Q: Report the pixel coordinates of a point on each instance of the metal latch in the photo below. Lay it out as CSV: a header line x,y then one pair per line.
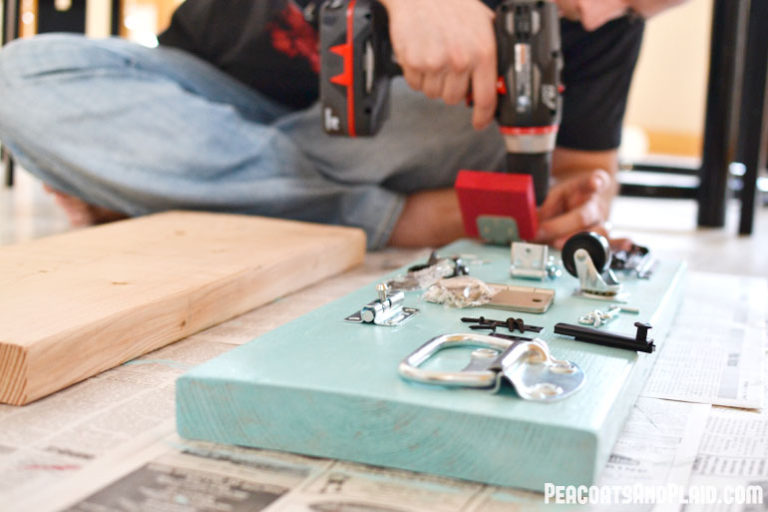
x,y
527,365
637,259
387,310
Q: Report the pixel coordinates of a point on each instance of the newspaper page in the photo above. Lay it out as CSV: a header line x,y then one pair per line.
x,y
656,448
349,487
189,476
715,352
55,437
198,476
733,458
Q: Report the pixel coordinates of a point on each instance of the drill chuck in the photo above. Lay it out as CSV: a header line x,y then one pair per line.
x,y
535,164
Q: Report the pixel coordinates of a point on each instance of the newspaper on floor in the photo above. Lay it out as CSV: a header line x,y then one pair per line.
x,y
656,448
732,462
179,475
187,476
349,487
131,405
715,351
199,476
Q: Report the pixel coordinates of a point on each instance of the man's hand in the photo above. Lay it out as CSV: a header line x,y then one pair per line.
x,y
582,198
444,46
579,203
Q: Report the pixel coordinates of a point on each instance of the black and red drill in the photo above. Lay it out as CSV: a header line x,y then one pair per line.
x,y
357,65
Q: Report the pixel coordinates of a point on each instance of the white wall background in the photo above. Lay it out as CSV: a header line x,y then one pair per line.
x,y
669,88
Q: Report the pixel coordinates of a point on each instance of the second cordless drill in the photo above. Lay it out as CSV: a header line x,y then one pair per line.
x,y
357,64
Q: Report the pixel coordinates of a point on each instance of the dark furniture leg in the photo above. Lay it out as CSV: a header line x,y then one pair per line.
x,y
7,33
753,112
724,69
117,16
7,163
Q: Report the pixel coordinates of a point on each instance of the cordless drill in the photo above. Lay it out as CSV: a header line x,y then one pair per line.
x,y
357,64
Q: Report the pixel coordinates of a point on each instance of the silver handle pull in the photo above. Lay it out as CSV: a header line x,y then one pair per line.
x,y
527,365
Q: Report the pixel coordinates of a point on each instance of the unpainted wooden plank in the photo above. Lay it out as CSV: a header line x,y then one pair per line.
x,y
75,304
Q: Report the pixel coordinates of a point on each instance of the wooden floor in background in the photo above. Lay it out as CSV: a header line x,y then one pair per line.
x,y
668,227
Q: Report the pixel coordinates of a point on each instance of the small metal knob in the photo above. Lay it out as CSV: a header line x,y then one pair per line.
x,y
642,331
383,290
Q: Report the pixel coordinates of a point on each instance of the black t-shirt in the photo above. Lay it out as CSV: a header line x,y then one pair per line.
x,y
268,45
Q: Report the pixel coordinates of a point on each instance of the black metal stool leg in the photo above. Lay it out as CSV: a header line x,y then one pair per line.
x,y
725,65
8,32
8,166
752,122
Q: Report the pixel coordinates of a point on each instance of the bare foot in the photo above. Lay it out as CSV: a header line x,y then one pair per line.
x,y
430,219
81,213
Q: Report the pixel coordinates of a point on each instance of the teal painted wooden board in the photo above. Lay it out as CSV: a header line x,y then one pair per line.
x,y
324,387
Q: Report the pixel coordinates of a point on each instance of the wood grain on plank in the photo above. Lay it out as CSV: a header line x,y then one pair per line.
x,y
76,304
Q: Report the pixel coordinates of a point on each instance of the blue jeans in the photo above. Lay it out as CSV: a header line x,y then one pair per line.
x,y
140,130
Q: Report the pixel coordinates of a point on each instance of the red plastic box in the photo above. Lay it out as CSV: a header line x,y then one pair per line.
x,y
497,194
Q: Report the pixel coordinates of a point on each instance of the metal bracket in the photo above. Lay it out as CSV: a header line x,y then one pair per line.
x,y
532,261
527,365
521,298
593,284
387,310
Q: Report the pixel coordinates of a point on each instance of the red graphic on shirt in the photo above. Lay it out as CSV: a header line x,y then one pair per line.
x,y
293,36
